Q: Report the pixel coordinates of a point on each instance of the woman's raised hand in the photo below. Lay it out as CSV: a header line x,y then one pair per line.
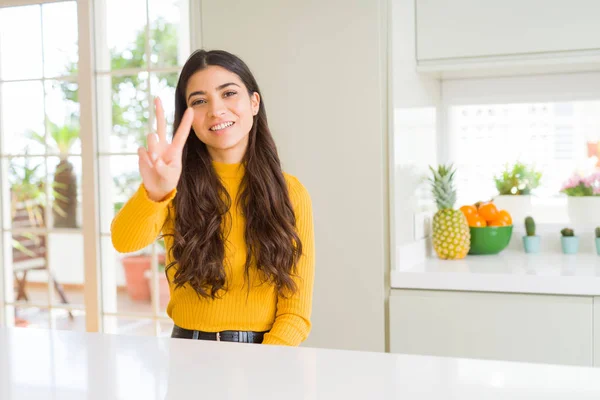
x,y
160,164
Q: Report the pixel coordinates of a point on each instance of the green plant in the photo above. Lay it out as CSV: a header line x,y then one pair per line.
x,y
130,115
521,179
567,232
598,232
530,226
27,193
61,141
125,186
27,189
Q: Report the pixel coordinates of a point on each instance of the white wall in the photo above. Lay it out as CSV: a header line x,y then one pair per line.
x,y
416,104
320,65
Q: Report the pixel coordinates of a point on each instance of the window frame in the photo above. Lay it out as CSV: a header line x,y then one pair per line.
x,y
88,30
567,87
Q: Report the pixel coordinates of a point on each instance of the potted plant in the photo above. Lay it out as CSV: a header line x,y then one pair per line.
x,y
583,196
62,139
163,283
531,241
568,241
514,186
137,275
598,240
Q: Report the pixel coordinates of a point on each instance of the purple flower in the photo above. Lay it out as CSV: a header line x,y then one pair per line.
x,y
578,185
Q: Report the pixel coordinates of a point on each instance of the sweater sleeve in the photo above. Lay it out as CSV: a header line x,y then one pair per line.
x,y
139,222
292,321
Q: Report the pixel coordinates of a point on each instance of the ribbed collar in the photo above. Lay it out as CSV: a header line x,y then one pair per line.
x,y
229,171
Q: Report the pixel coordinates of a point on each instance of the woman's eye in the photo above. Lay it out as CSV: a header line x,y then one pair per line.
x,y
199,101
229,94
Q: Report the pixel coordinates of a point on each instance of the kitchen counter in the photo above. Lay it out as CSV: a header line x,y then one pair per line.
x,y
42,364
511,271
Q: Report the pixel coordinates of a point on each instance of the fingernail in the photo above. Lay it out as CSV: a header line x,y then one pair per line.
x,y
156,137
153,156
159,163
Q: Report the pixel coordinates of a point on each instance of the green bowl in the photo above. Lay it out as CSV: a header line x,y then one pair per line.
x,y
490,239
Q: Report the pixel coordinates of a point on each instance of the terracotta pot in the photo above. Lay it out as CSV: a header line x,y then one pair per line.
x,y
163,290
137,285
593,149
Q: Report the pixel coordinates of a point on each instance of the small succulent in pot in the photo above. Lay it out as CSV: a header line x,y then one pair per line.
x,y
569,242
567,232
531,242
598,232
530,226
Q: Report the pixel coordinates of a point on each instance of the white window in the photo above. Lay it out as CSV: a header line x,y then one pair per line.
x,y
50,153
549,122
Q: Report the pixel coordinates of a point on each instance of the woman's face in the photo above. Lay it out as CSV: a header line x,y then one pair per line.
x,y
223,112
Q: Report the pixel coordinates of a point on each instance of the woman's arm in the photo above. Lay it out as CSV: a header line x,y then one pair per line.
x,y
140,221
292,321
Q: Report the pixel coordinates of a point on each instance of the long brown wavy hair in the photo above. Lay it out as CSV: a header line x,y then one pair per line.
x,y
202,203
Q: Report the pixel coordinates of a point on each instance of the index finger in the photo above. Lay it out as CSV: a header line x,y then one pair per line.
x,y
183,131
161,124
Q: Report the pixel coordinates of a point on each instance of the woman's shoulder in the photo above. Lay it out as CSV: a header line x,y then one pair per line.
x,y
298,192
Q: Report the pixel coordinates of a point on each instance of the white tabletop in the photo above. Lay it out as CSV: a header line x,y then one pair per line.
x,y
41,364
510,271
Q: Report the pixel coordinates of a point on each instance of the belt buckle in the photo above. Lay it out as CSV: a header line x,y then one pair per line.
x,y
218,336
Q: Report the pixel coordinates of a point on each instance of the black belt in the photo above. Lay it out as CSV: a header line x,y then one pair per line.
x,y
224,336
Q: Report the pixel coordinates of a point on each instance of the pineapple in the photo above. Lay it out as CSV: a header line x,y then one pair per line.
x,y
451,234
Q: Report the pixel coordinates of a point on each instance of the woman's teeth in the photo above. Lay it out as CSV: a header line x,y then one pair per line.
x,y
221,126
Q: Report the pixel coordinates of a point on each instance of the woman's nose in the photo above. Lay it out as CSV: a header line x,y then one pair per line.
x,y
217,108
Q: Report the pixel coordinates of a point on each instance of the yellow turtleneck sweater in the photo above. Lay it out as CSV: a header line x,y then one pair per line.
x,y
288,319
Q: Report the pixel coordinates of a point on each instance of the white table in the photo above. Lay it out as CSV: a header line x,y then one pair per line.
x,y
41,364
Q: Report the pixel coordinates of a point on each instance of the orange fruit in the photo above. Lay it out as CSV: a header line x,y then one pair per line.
x,y
468,210
488,211
476,221
504,216
498,222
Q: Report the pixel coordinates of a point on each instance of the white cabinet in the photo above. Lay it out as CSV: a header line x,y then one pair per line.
x,y
514,327
481,28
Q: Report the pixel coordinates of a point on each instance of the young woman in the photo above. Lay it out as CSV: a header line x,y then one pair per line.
x,y
238,231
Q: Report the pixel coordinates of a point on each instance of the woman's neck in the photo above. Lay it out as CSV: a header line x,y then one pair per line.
x,y
232,155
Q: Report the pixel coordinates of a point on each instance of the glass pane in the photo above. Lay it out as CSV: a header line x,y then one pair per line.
x,y
21,43
163,86
22,118
166,327
30,275
65,255
31,317
64,176
556,138
125,281
66,320
161,291
62,110
125,25
119,180
130,112
169,37
27,193
129,326
60,38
